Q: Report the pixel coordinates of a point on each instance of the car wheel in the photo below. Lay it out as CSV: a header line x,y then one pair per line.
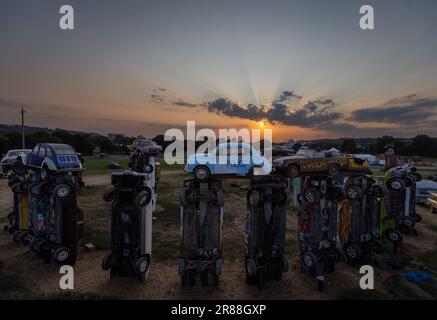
x,y
395,184
250,267
393,235
432,209
62,191
254,198
107,261
333,170
141,265
62,255
353,192
143,198
201,173
409,222
45,173
109,194
293,171
309,260
311,195
35,189
352,251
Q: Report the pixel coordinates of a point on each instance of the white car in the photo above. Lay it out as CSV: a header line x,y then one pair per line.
x,y
12,157
239,159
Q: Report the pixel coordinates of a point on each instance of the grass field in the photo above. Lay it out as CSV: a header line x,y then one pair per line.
x,y
91,282
93,165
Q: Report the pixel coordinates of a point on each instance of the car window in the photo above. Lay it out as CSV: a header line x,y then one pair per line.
x,y
35,150
49,152
42,152
64,150
245,152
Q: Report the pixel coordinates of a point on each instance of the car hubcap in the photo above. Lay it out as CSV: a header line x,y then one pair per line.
x,y
308,261
62,255
351,252
352,193
201,174
143,266
396,185
63,191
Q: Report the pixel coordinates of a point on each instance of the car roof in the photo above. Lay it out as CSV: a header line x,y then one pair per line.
x,y
58,145
18,150
235,144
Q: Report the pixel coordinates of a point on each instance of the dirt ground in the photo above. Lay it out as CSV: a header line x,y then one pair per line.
x,y
25,276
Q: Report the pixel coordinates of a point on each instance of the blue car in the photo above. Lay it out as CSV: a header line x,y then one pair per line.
x,y
53,157
240,159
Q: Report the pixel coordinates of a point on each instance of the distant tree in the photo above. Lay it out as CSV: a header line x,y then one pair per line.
x,y
349,145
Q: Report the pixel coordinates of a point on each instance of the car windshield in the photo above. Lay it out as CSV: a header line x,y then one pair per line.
x,y
64,150
144,143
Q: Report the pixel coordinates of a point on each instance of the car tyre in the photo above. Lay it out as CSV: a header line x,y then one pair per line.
x,y
311,195
293,171
353,251
353,192
107,261
393,235
62,255
309,260
333,170
143,198
201,173
109,194
395,184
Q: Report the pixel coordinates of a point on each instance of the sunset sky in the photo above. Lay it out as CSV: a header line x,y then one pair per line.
x,y
304,68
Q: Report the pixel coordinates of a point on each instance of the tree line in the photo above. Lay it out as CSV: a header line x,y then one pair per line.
x,y
421,145
83,143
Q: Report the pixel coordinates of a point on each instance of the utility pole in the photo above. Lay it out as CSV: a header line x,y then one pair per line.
x,y
23,142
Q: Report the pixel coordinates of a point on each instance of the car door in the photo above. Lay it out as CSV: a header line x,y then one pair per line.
x,y
42,152
245,162
224,164
33,155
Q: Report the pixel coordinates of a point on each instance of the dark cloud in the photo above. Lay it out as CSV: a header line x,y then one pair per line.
x,y
183,103
312,114
287,95
406,110
157,96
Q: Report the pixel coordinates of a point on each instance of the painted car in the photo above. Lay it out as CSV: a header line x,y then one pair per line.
x,y
423,189
53,157
12,157
229,159
311,161
431,202
142,144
